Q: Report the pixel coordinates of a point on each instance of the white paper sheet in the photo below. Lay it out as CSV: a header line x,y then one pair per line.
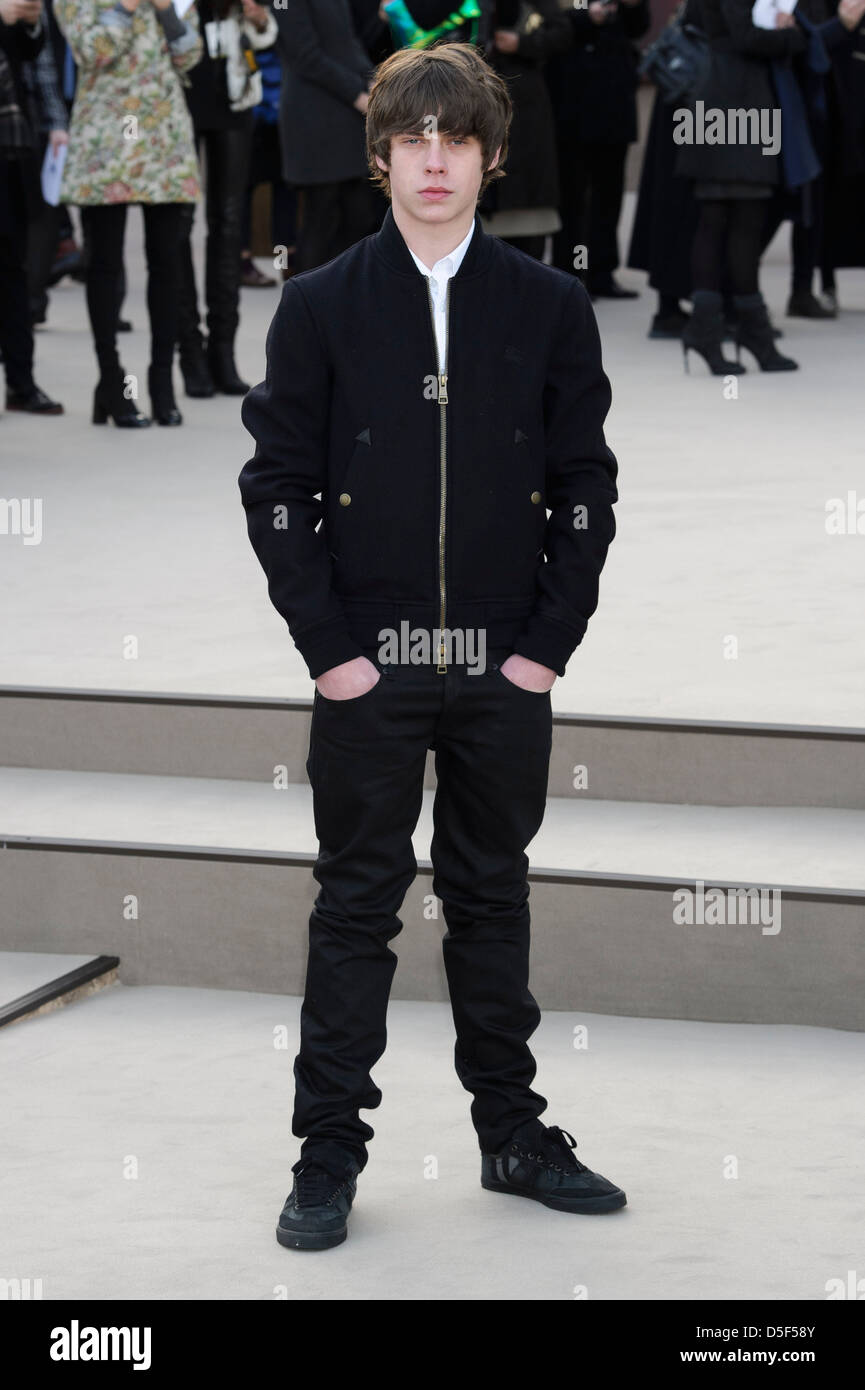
x,y
764,12
52,173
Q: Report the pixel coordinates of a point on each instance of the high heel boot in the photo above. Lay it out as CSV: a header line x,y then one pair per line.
x,y
197,379
109,400
754,331
220,359
704,332
161,389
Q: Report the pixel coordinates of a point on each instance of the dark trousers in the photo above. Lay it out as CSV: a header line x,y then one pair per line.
x,y
806,238
332,217
42,238
16,332
104,228
227,172
265,166
592,179
492,743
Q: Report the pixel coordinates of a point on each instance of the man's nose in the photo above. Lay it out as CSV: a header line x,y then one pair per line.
x,y
435,156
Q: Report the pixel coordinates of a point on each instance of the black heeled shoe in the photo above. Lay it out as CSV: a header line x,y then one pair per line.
x,y
109,400
220,360
197,380
704,332
161,390
754,332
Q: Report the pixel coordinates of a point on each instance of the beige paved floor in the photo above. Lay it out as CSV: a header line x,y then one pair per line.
x,y
151,1147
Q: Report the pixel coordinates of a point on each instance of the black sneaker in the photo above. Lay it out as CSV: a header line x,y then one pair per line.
x,y
539,1162
316,1210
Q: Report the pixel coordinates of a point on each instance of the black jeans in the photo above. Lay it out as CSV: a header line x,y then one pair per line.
x,y
104,229
492,742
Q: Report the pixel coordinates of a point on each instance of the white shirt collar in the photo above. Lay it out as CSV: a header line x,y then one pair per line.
x,y
448,265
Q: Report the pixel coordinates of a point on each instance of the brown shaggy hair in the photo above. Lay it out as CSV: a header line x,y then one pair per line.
x,y
450,81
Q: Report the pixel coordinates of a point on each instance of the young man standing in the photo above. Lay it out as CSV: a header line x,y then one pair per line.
x,y
431,393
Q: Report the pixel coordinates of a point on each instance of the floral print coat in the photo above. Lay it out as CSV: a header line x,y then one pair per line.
x,y
130,133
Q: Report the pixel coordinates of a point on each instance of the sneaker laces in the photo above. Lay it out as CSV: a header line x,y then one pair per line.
x,y
316,1186
558,1143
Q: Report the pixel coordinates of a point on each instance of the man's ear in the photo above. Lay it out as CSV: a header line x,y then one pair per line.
x,y
385,168
495,159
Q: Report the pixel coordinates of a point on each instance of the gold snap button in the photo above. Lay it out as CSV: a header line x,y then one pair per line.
x,y
536,497
344,499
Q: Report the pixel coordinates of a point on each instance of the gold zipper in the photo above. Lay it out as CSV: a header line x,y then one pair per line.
x,y
441,669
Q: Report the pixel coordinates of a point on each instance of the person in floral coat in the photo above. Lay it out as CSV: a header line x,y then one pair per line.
x,y
131,141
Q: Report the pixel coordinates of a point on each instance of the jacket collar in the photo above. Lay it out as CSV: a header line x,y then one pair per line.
x,y
390,245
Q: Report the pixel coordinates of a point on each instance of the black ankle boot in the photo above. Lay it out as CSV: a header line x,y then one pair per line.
x,y
220,359
197,380
754,331
802,304
704,332
161,389
109,400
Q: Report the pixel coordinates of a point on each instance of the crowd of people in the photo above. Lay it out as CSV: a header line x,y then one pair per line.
x,y
166,103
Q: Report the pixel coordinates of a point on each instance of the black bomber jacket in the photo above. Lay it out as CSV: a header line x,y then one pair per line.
x,y
432,491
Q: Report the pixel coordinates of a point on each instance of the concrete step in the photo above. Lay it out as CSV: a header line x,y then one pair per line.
x,y
611,758
208,881
33,984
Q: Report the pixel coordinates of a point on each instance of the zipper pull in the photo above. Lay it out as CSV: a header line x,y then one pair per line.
x,y
443,388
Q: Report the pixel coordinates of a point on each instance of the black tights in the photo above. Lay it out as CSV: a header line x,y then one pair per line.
x,y
731,226
104,228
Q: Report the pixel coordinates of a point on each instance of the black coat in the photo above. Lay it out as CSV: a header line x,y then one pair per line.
x,y
666,215
739,76
20,194
595,83
532,170
20,46
347,428
844,228
324,69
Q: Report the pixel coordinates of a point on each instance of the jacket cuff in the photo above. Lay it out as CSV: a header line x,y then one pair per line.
x,y
173,26
322,648
547,642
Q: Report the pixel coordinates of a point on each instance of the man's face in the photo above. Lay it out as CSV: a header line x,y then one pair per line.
x,y
435,178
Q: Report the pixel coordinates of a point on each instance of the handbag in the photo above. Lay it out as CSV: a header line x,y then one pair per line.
x,y
16,132
227,39
678,61
407,34
243,79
